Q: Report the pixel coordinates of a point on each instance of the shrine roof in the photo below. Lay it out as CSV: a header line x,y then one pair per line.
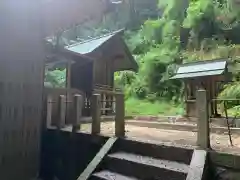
x,y
201,68
91,45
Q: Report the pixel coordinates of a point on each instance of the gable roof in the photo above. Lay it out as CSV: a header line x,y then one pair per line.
x,y
84,51
201,68
91,45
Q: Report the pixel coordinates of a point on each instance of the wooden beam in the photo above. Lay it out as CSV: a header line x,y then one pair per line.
x,y
77,105
96,113
120,115
61,112
49,112
197,165
97,159
68,75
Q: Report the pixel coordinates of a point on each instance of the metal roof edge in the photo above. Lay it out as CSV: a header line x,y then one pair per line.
x,y
202,71
175,76
205,61
98,37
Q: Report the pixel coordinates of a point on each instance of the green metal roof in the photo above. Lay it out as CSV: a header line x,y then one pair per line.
x,y
89,46
85,51
201,68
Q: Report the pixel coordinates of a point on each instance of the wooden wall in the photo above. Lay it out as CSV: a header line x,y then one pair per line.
x,y
210,84
82,77
21,84
103,72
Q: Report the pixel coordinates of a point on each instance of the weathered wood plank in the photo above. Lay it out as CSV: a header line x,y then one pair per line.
x,y
97,159
61,111
77,105
21,81
96,113
197,165
120,116
49,112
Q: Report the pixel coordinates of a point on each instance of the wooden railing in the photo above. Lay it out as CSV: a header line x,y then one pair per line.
x,y
107,99
97,106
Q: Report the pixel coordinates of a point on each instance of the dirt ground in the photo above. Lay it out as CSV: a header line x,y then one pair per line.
x,y
170,137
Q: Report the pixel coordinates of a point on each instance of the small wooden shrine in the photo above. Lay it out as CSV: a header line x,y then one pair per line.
x,y
91,65
209,75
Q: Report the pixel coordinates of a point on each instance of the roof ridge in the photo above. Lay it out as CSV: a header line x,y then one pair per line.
x,y
95,38
205,61
201,71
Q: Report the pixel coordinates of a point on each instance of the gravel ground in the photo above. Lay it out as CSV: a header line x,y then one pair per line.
x,y
170,137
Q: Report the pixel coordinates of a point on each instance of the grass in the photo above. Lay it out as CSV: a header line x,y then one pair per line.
x,y
144,107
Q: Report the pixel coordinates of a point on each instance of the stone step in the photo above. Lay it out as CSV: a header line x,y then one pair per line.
x,y
149,161
108,175
177,154
143,167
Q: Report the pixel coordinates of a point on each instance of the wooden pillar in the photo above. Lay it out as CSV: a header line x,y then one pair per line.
x,y
49,112
68,75
77,105
120,116
104,103
61,111
71,166
186,97
96,113
203,139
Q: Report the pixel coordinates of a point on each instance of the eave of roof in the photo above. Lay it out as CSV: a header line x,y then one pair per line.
x,y
198,74
91,45
200,69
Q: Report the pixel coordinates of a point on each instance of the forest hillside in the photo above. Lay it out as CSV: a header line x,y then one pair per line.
x,y
162,35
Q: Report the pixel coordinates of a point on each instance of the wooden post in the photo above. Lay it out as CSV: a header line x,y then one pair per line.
x,y
203,139
68,75
104,103
77,105
120,116
61,111
96,113
49,112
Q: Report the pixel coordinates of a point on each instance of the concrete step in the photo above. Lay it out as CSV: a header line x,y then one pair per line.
x,y
149,161
141,167
108,175
177,154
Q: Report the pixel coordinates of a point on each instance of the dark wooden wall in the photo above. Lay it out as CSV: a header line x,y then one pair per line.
x,y
82,77
66,157
210,84
21,84
103,72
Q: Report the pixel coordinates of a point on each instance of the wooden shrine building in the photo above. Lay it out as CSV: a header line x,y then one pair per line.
x,y
209,75
91,65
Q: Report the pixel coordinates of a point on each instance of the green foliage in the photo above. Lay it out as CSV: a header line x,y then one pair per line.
x,y
231,91
197,12
56,78
145,107
154,36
